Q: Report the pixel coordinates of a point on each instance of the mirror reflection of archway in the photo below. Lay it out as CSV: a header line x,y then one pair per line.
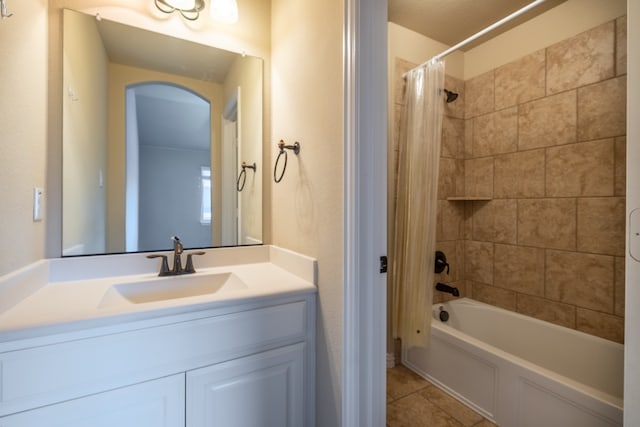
x,y
168,167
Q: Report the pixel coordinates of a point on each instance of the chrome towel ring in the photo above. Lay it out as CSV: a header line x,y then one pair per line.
x,y
296,150
243,175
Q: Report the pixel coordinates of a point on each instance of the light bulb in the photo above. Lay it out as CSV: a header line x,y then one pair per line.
x,y
182,4
225,10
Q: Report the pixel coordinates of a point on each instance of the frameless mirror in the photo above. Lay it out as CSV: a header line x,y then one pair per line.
x,y
155,130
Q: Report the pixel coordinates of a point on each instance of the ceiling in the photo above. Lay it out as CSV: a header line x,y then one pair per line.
x,y
146,49
451,21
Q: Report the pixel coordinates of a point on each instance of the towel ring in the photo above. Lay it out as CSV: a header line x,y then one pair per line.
x,y
243,175
296,150
3,10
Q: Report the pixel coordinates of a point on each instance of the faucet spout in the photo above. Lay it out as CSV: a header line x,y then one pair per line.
x,y
178,248
448,289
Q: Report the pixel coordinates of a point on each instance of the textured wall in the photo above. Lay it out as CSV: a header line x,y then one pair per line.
x,y
306,206
23,138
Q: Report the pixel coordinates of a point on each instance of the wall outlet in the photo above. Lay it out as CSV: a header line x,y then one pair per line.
x,y
37,204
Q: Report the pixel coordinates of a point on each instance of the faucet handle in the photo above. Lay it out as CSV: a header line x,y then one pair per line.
x,y
164,268
189,267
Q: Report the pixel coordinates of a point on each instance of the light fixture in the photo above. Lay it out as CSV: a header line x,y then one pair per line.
x,y
225,10
189,9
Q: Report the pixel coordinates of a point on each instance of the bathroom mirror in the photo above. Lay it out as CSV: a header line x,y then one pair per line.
x,y
155,130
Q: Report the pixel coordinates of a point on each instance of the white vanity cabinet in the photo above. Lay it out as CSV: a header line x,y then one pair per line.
x,y
266,389
252,364
150,404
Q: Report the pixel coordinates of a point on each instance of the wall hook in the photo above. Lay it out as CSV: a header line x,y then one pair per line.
x,y
282,146
243,175
3,10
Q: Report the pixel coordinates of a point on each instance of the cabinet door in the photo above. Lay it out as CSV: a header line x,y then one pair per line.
x,y
157,403
266,389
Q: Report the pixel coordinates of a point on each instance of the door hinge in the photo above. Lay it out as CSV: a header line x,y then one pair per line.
x,y
383,264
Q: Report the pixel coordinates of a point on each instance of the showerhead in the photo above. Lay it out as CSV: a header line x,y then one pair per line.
x,y
451,96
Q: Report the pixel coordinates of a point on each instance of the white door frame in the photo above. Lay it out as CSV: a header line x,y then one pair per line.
x,y
365,209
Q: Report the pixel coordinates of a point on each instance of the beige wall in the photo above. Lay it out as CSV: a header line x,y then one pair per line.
x,y
543,140
23,147
121,76
85,65
307,208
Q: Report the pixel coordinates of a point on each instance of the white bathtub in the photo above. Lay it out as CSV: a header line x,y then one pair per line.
x,y
520,371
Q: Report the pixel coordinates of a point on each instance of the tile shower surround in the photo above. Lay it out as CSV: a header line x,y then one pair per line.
x,y
544,138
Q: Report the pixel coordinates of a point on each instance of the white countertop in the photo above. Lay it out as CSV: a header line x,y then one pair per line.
x,y
60,295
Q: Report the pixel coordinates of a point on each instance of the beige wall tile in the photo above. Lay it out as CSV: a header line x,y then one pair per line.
x,y
478,261
584,280
602,109
582,59
547,121
519,174
601,223
584,169
478,177
468,138
452,137
547,223
495,221
621,45
600,324
520,81
451,178
620,175
495,133
452,220
468,220
493,295
401,67
618,303
438,221
456,108
519,268
479,95
547,310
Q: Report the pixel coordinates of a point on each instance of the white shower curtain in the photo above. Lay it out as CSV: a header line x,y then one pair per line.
x,y
416,206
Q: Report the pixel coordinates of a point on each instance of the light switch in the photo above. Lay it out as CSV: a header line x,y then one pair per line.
x,y
634,234
37,204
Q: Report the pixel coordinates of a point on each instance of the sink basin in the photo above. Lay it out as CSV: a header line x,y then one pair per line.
x,y
172,287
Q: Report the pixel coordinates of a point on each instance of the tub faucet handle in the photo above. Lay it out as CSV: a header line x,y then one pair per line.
x,y
441,262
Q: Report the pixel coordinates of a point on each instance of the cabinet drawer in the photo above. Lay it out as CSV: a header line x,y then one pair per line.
x,y
150,404
43,375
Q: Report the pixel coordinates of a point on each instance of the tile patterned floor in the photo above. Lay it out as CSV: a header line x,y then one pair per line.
x,y
414,402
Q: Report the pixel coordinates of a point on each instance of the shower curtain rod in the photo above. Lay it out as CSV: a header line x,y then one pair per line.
x,y
483,32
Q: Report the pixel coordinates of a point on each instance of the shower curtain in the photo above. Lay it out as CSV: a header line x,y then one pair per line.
x,y
416,206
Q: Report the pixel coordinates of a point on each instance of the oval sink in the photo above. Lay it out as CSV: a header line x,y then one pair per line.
x,y
172,287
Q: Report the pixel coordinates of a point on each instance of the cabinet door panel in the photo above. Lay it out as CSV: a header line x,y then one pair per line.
x,y
266,389
157,403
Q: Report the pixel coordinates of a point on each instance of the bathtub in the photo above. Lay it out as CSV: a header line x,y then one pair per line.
x,y
520,371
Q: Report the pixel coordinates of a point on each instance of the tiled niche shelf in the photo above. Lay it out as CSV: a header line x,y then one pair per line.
x,y
468,198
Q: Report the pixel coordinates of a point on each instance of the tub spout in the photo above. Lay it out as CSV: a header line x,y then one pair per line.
x,y
448,289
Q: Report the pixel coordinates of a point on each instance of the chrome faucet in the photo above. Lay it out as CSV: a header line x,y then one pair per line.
x,y
178,249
